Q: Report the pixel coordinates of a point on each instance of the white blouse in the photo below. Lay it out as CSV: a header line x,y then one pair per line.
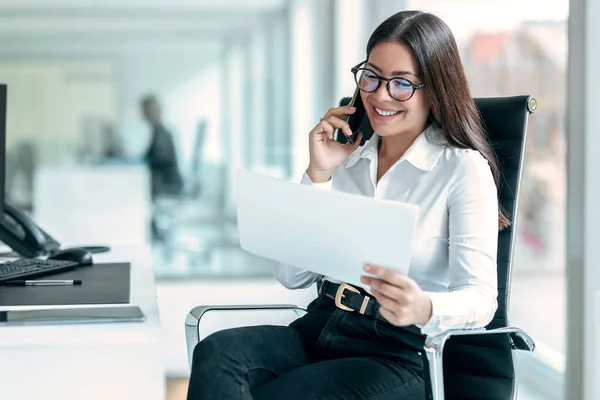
x,y
456,237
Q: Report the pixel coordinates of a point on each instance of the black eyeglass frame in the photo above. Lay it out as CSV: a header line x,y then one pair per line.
x,y
380,79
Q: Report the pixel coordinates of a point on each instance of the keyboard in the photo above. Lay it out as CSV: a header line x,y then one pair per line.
x,y
26,268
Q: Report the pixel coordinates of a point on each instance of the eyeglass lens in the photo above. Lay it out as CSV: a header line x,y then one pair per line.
x,y
399,88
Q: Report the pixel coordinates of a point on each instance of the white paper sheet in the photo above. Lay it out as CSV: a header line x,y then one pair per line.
x,y
324,231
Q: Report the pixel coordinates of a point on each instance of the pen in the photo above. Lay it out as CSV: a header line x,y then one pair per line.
x,y
43,283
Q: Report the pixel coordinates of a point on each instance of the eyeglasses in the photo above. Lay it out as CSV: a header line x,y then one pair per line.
x,y
368,81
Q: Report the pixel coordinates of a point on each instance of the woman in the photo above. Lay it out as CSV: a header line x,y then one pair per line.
x,y
429,150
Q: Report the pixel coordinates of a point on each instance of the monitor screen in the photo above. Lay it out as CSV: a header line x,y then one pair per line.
x,y
2,147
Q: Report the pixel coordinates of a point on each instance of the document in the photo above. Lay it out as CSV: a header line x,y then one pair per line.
x,y
324,231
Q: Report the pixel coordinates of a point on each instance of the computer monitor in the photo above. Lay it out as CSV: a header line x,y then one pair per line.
x,y
2,148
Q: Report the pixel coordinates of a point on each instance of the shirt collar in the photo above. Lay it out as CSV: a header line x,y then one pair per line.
x,y
369,150
423,153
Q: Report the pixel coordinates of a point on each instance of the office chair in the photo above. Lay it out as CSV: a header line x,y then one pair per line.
x,y
464,363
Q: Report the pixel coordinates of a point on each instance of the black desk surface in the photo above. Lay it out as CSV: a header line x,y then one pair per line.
x,y
102,284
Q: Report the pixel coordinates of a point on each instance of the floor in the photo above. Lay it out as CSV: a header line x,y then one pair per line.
x,y
177,390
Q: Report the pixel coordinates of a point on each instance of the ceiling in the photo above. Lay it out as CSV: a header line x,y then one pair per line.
x,y
85,26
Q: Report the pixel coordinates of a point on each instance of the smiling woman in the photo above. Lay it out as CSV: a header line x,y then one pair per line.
x,y
429,150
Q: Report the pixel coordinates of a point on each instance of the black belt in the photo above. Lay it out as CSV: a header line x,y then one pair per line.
x,y
350,298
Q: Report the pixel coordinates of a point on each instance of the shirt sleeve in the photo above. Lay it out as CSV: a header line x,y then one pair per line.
x,y
471,300
324,185
292,277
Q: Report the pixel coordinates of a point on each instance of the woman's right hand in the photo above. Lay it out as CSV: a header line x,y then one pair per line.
x,y
326,153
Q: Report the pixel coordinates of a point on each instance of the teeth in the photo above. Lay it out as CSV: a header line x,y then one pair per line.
x,y
385,113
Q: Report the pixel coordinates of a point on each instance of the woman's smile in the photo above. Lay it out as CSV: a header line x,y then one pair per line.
x,y
385,114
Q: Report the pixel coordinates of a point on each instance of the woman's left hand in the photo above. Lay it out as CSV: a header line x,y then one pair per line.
x,y
402,300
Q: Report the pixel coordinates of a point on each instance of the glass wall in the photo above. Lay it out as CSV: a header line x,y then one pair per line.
x,y
144,112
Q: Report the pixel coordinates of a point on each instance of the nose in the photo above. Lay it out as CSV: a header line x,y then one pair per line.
x,y
382,94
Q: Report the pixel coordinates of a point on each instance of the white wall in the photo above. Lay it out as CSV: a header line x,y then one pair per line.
x,y
44,101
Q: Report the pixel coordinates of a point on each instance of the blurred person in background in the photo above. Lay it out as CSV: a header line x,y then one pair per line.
x,y
161,157
165,178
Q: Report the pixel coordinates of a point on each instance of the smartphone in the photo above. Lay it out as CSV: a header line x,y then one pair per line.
x,y
52,316
354,120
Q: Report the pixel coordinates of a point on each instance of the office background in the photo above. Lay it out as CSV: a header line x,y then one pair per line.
x,y
240,84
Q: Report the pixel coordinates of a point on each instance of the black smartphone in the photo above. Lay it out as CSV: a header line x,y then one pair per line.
x,y
354,120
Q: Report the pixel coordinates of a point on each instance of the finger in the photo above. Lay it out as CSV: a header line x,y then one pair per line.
x,y
385,301
388,275
395,318
388,315
330,130
323,129
393,292
341,124
358,139
355,141
391,311
340,112
366,279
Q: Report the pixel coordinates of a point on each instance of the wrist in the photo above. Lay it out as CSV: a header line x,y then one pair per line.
x,y
318,176
426,310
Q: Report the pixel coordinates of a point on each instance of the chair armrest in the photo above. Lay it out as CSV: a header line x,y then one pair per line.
x,y
196,314
520,339
434,348
192,321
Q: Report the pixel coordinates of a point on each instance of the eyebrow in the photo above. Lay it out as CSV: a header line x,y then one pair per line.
x,y
395,73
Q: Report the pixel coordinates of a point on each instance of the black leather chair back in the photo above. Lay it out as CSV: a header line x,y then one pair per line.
x,y
482,367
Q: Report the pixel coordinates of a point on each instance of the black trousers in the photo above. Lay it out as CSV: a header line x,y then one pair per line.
x,y
329,353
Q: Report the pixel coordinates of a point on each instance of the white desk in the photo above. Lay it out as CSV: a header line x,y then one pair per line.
x,y
95,361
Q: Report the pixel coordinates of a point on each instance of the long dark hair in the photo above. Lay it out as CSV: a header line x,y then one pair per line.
x,y
452,107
